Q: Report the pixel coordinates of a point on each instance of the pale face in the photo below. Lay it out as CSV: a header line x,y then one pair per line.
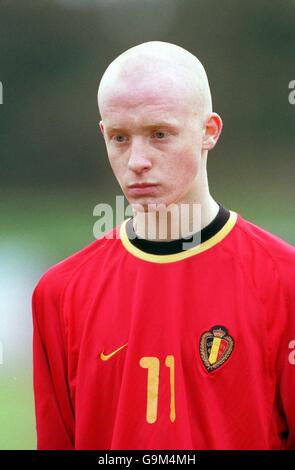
x,y
154,143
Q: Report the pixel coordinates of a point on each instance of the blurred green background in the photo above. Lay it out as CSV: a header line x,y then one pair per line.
x,y
54,168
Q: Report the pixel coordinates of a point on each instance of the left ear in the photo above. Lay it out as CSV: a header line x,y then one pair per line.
x,y
212,131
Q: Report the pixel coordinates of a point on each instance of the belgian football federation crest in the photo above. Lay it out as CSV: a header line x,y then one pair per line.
x,y
215,347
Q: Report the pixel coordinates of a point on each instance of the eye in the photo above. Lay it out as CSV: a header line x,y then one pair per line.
x,y
119,138
160,135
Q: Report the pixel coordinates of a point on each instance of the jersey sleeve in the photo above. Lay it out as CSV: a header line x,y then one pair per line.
x,y
286,357
55,423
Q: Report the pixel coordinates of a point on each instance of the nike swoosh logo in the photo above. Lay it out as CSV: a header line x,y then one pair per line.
x,y
106,357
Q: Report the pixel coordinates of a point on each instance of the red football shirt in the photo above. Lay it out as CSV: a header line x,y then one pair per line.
x,y
136,349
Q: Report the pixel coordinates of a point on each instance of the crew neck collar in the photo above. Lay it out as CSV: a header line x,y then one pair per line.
x,y
175,250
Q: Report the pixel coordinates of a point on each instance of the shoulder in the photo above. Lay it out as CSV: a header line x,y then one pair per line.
x,y
54,281
269,252
269,243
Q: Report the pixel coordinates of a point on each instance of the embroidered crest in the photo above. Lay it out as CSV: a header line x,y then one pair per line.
x,y
215,347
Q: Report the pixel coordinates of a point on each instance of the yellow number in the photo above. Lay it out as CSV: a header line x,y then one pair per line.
x,y
170,363
153,366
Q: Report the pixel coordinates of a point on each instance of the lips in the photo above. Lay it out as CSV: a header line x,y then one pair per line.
x,y
141,189
142,185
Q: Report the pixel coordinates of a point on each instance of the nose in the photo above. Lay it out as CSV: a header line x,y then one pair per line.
x,y
139,159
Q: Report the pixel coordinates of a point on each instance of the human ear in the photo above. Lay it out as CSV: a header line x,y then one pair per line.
x,y
101,126
212,131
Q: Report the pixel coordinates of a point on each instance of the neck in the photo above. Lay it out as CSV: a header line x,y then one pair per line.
x,y
175,221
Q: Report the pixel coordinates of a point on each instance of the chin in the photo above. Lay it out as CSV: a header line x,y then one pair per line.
x,y
144,203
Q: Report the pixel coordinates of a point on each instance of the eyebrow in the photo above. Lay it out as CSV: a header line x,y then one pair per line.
x,y
158,124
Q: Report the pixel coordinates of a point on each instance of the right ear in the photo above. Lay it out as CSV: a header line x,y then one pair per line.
x,y
101,126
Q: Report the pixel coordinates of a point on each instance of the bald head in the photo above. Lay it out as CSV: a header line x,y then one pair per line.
x,y
157,66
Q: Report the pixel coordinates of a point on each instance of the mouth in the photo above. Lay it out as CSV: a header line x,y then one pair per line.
x,y
142,185
142,189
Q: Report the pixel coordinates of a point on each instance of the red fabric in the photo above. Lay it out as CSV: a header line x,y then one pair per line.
x,y
222,348
104,297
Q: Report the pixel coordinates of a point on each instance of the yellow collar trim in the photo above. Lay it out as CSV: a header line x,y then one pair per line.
x,y
223,232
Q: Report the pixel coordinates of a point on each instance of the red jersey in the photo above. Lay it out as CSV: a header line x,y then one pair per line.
x,y
195,349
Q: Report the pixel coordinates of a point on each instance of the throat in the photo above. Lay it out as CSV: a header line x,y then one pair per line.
x,y
158,239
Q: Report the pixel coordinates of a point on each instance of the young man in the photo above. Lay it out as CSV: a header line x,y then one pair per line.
x,y
145,343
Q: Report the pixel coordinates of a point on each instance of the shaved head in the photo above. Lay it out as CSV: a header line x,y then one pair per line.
x,y
156,66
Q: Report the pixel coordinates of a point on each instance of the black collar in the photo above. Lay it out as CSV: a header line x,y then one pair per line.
x,y
181,244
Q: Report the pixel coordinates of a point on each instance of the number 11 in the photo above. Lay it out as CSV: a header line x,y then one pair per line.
x,y
153,366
